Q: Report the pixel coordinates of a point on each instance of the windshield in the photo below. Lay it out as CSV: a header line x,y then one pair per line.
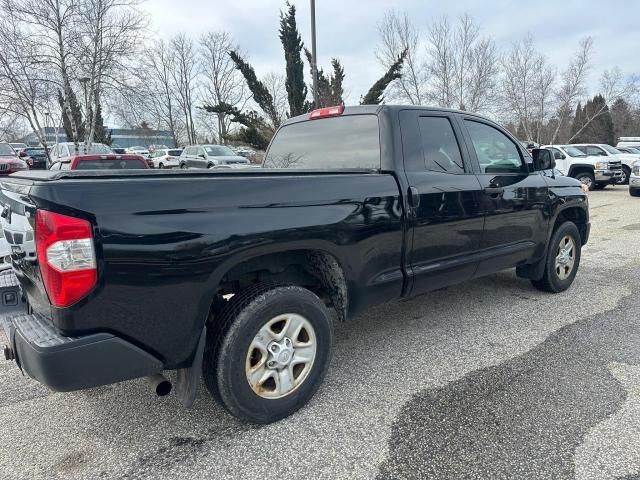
x,y
610,149
350,141
94,148
574,152
174,153
6,150
219,151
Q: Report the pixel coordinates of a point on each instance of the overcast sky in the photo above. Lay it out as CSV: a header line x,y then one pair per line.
x,y
347,29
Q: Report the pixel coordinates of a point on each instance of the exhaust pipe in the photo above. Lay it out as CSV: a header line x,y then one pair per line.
x,y
159,384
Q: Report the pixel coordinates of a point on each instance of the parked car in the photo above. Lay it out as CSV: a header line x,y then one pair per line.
x,y
36,157
166,158
18,147
628,142
613,156
369,204
211,156
591,170
65,150
101,162
244,151
632,150
634,180
139,151
9,160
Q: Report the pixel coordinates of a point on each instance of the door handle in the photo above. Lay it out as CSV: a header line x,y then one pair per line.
x,y
494,192
413,197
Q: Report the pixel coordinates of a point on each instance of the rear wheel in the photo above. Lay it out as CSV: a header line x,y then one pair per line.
x,y
634,192
183,166
563,259
626,173
587,179
268,351
600,186
161,165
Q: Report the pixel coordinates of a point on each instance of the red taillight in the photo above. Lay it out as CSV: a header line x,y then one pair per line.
x,y
327,112
66,257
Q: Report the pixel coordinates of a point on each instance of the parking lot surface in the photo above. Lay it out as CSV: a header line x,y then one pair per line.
x,y
487,379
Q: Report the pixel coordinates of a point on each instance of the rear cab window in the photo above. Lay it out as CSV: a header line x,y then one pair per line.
x,y
115,164
349,141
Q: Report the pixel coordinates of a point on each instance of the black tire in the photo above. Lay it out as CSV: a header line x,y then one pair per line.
x,y
231,334
550,281
600,186
634,192
161,165
627,173
183,166
586,178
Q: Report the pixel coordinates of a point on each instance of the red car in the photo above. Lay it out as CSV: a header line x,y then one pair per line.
x,y
9,161
101,162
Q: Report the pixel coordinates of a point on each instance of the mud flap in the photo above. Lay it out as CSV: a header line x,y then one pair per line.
x,y
188,378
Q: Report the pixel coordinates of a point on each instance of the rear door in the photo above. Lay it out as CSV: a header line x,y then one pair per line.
x,y
445,219
514,198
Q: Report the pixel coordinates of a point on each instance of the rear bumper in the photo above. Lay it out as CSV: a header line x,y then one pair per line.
x,y
73,363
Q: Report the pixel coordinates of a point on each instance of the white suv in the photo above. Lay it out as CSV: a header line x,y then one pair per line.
x,y
612,155
634,180
593,171
62,151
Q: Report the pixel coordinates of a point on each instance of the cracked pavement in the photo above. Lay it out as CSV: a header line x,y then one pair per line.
x,y
487,379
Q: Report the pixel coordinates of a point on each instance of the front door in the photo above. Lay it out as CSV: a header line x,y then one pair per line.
x,y
514,198
445,218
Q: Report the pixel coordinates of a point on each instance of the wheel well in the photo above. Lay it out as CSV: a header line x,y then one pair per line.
x,y
574,171
576,215
315,270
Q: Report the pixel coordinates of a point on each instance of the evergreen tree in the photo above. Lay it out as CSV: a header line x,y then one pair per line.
x,y
577,124
336,82
77,116
330,89
375,94
101,134
623,124
292,46
593,124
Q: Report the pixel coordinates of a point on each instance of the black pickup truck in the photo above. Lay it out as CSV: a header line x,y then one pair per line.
x,y
237,275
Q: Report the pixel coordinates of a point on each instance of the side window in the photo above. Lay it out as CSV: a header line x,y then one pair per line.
x,y
439,145
557,154
201,151
54,152
65,165
595,151
55,166
495,151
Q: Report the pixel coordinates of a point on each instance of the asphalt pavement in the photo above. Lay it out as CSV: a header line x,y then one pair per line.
x,y
487,379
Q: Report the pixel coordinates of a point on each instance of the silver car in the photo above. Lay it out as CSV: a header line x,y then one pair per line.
x,y
211,156
634,180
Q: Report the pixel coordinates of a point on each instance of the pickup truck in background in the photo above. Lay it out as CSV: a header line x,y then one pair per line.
x,y
588,168
230,274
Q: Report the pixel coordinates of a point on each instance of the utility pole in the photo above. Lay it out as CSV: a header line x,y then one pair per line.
x,y
314,66
87,122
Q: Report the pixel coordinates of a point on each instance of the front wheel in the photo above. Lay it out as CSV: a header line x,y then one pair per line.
x,y
587,179
161,165
626,173
183,166
563,259
634,192
268,351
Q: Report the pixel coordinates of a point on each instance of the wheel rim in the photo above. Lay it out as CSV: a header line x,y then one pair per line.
x,y
162,165
586,180
565,257
280,356
623,178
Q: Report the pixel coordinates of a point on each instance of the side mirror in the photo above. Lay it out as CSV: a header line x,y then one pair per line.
x,y
559,155
542,159
202,155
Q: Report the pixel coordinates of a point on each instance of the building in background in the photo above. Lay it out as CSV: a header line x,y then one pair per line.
x,y
120,137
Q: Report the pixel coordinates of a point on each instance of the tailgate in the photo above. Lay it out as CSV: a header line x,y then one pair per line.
x,y
16,219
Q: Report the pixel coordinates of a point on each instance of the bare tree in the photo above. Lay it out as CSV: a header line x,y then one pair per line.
x,y
398,34
110,33
184,76
572,86
275,83
22,91
52,27
221,81
463,65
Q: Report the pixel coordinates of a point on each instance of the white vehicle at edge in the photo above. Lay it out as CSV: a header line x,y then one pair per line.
x,y
592,171
604,150
166,158
634,180
139,151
